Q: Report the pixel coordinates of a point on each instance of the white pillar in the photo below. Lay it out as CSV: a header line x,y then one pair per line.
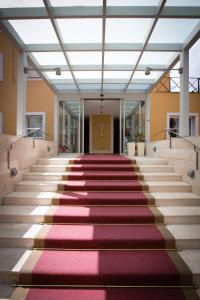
x,y
21,93
147,119
56,132
184,93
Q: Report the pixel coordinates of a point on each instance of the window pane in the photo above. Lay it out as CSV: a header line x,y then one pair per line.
x,y
117,74
81,30
87,74
21,3
182,3
119,86
127,30
85,58
132,2
120,58
49,58
35,31
90,86
137,86
156,58
76,2
172,30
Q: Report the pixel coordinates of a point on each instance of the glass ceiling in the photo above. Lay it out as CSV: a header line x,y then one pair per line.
x,y
101,46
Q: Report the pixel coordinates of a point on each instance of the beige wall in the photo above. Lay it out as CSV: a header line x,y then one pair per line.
x,y
8,87
40,98
161,103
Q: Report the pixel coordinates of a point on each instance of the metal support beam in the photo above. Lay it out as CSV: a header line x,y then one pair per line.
x,y
147,120
103,43
21,94
184,93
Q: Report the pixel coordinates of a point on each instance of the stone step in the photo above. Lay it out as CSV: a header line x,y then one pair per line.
x,y
17,235
63,168
65,161
36,214
46,198
55,176
52,186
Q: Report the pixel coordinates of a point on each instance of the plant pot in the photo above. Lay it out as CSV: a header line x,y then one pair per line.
x,y
140,148
131,149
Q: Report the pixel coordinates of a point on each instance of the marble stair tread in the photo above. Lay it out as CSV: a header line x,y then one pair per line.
x,y
58,175
9,257
45,198
31,214
6,291
192,259
51,186
23,235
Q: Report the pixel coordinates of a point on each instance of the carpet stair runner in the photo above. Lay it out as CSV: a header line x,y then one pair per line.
x,y
104,252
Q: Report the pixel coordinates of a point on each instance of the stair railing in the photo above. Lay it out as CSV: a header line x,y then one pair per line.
x,y
8,147
196,148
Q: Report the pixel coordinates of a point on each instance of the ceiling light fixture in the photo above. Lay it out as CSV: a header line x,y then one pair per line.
x,y
57,70
148,70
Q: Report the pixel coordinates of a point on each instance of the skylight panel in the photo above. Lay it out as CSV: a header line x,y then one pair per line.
x,y
90,86
120,57
49,58
173,30
35,31
136,86
87,74
85,58
132,2
81,30
127,30
182,3
64,75
141,75
76,3
112,86
117,74
156,58
21,3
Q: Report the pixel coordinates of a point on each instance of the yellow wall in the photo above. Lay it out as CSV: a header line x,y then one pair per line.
x,y
40,98
8,87
161,103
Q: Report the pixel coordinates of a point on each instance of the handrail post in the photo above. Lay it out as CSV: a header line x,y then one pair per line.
x,y
197,158
170,141
8,157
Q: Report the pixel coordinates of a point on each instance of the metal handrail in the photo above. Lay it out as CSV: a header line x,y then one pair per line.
x,y
196,147
9,146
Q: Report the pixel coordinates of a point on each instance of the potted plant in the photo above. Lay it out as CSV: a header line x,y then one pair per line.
x,y
140,139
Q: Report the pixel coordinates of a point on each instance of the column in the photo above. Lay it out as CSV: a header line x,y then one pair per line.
x,y
56,120
147,119
184,94
21,93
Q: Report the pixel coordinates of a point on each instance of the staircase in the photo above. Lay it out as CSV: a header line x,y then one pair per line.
x,y
100,228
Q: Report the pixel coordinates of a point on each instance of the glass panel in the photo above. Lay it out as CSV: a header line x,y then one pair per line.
x,y
64,75
120,57
65,86
172,30
87,74
117,74
35,31
21,3
141,75
132,3
90,86
69,130
127,30
76,2
81,30
117,86
156,58
134,124
49,58
137,86
85,58
34,121
182,3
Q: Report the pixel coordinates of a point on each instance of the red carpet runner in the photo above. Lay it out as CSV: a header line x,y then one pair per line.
x,y
102,238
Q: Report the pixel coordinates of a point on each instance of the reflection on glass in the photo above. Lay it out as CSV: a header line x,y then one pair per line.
x,y
69,122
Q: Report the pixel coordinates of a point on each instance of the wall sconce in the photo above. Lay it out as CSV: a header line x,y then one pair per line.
x,y
57,70
148,70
